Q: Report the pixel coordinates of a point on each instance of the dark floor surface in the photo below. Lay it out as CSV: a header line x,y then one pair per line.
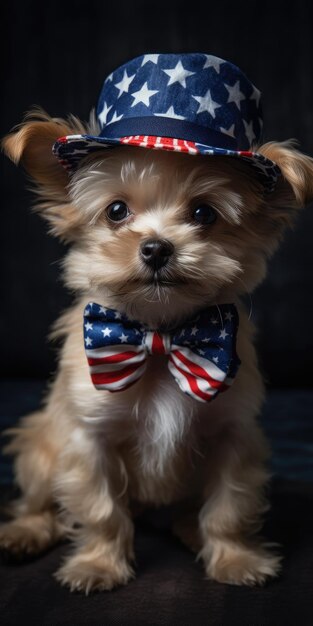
x,y
170,588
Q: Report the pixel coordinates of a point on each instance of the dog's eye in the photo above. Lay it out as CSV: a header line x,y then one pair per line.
x,y
117,211
204,214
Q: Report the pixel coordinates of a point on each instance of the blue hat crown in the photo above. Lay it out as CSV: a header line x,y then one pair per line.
x,y
197,97
194,103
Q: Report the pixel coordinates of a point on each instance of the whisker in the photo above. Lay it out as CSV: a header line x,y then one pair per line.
x,y
220,314
250,297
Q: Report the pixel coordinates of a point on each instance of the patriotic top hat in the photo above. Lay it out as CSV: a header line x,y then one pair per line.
x,y
194,103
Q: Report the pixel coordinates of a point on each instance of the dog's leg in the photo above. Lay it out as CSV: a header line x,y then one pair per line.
x,y
30,533
231,513
91,486
35,525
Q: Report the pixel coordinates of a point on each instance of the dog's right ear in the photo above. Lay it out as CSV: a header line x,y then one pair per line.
x,y
31,145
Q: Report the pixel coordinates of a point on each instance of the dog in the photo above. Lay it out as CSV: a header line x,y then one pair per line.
x,y
172,206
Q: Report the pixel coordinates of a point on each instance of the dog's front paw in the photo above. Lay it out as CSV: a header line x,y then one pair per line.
x,y
29,534
97,574
239,564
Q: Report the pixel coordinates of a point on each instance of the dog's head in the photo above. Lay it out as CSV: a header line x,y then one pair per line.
x,y
160,234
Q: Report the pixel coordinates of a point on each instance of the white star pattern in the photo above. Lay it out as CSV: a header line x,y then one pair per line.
x,y
213,320
178,75
256,95
150,57
223,334
104,113
118,339
102,309
249,131
206,103
170,113
143,95
167,85
230,131
115,118
106,332
123,85
235,95
213,62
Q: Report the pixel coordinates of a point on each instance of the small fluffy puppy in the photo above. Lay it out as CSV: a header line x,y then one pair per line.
x,y
165,230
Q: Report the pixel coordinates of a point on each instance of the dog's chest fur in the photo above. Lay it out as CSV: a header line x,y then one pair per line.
x,y
161,435
155,429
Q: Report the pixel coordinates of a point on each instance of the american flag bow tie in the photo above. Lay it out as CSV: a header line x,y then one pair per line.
x,y
201,352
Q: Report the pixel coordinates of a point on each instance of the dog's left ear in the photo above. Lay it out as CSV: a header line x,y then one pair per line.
x,y
295,186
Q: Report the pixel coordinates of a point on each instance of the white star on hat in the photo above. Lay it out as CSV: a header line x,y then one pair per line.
x,y
150,57
206,103
115,118
123,85
228,131
249,131
178,74
213,62
256,95
104,113
235,95
170,113
143,95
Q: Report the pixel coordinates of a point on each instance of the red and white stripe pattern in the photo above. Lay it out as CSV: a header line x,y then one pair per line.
x,y
196,376
117,350
161,143
115,368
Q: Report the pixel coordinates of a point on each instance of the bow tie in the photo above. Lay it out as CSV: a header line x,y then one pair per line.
x,y
202,351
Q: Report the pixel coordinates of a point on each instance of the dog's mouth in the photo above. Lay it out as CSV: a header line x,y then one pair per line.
x,y
154,285
159,280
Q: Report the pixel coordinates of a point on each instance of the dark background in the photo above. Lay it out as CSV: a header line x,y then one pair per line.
x,y
57,54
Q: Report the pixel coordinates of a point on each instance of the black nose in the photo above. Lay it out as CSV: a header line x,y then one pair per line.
x,y
156,252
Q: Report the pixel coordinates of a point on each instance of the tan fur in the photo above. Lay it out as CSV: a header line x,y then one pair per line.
x,y
98,456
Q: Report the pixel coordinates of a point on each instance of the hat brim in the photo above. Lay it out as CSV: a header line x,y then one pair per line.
x,y
72,149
